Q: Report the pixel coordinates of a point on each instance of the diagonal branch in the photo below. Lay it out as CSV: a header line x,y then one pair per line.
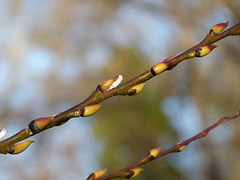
x,y
109,88
133,169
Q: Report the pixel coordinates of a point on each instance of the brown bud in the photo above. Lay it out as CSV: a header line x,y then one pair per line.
x,y
20,147
218,28
181,148
203,51
97,174
136,89
39,124
108,84
158,68
89,110
133,173
152,154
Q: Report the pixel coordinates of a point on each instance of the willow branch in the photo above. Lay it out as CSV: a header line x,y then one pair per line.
x,y
111,87
133,170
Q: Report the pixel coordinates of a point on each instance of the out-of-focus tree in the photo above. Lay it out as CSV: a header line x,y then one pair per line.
x,y
54,54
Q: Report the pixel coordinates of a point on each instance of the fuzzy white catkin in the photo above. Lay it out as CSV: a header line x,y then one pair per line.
x,y
3,132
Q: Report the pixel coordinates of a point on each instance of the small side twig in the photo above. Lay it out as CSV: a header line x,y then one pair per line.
x,y
133,170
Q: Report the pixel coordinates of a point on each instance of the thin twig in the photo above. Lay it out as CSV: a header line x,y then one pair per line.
x,y
176,148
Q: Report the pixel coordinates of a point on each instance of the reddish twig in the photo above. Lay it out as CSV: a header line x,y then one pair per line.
x,y
155,153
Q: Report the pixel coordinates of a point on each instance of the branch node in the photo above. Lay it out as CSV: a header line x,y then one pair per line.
x,y
158,68
39,124
20,147
97,174
89,110
181,147
109,84
136,89
152,154
203,51
133,173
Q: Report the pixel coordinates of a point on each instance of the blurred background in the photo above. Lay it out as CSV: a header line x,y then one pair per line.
x,y
54,53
